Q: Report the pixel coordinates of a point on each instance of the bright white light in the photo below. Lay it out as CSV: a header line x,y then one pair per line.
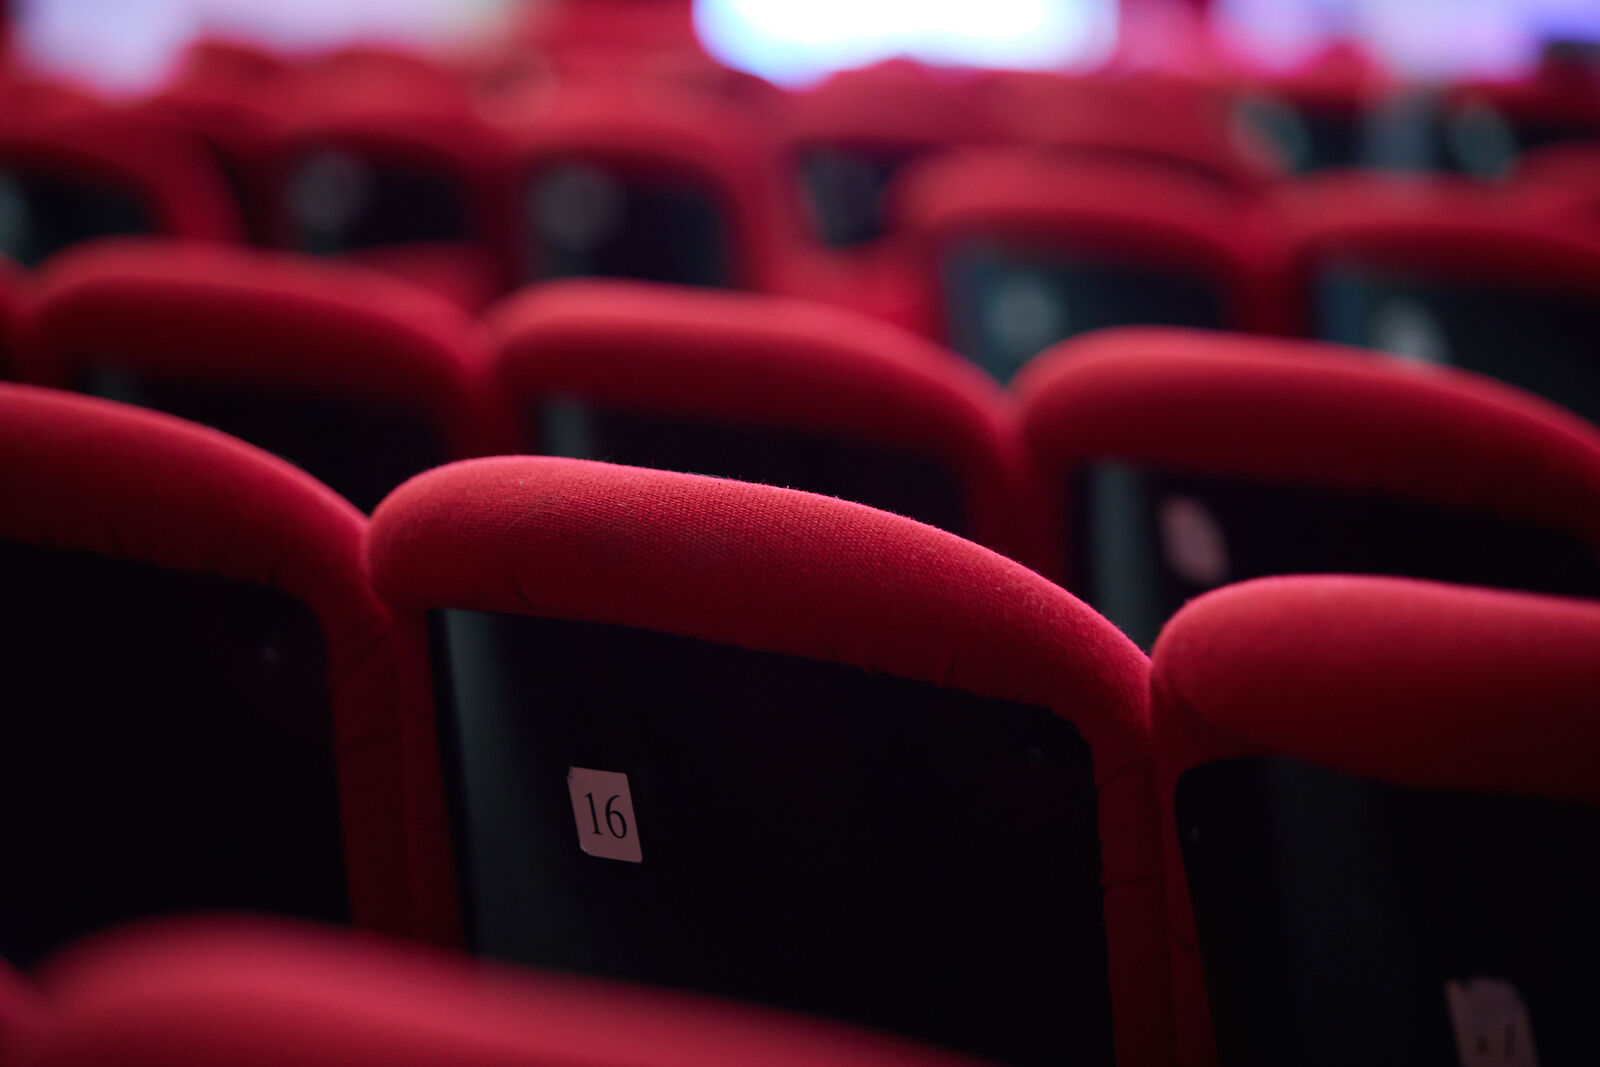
x,y
795,42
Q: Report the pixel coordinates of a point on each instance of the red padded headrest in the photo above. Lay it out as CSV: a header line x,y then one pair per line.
x,y
1413,683
254,992
769,362
1432,228
419,129
280,322
1135,117
897,104
1117,210
658,132
753,566
130,147
1310,414
778,570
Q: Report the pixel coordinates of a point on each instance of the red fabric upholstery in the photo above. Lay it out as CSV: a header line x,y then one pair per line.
x,y
768,362
1123,212
672,134
1456,231
894,106
128,148
243,993
777,570
1412,683
124,483
1124,116
1304,413
283,323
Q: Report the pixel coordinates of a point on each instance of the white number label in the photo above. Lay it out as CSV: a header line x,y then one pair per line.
x,y
603,810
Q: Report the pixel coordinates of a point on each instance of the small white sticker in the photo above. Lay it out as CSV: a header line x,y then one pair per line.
x,y
1405,329
1491,1024
603,810
1192,540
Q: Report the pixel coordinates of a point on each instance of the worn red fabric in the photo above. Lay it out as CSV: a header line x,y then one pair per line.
x,y
771,363
129,148
124,483
782,571
277,322
1412,683
221,993
1303,413
1118,211
1432,228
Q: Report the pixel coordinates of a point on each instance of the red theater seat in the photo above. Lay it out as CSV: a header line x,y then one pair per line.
x,y
1175,461
764,389
226,94
358,378
1126,117
200,685
82,171
1442,272
1486,126
1020,250
846,138
236,993
392,170
660,185
1381,822
774,745
1322,114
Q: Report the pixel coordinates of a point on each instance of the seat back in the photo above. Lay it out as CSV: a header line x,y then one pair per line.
x,y
763,389
1432,272
1485,127
660,186
782,747
415,184
361,380
75,173
199,681
1022,250
847,138
253,993
1173,462
1381,822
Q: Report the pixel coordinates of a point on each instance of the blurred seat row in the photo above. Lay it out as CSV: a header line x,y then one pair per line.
x,y
995,248
765,744
1003,593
